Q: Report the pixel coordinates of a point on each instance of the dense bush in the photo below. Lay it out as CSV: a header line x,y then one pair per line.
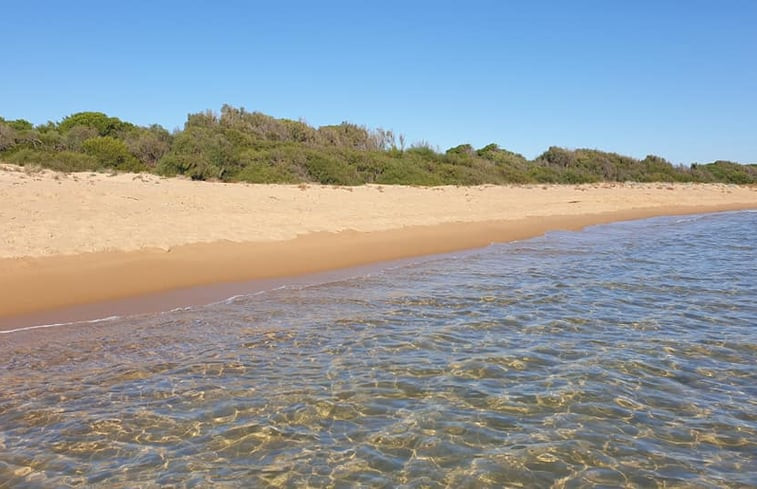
x,y
104,125
110,152
725,171
237,145
58,160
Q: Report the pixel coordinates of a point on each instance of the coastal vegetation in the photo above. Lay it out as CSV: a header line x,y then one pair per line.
x,y
237,145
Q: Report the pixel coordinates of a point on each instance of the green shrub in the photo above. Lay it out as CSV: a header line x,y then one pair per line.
x,y
726,171
255,147
423,151
578,176
201,152
544,174
7,137
462,149
262,173
20,125
327,168
105,126
196,168
409,170
111,153
370,165
271,166
65,161
514,174
148,144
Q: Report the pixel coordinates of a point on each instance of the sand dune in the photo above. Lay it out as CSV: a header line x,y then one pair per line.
x,y
82,238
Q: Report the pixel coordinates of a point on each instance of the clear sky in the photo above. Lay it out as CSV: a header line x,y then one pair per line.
x,y
676,78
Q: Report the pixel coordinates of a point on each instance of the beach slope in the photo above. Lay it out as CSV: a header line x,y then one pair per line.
x,y
80,239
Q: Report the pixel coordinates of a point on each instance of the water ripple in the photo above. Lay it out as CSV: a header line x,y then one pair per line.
x,y
623,356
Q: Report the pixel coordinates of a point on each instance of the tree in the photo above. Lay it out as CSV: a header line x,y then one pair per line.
x,y
106,126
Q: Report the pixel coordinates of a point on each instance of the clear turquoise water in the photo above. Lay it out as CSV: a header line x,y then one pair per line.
x,y
624,355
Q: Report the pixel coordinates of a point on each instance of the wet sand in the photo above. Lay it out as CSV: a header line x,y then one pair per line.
x,y
84,246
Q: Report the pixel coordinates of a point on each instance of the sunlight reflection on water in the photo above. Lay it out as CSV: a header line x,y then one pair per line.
x,y
619,356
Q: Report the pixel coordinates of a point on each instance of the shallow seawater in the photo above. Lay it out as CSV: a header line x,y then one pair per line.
x,y
621,356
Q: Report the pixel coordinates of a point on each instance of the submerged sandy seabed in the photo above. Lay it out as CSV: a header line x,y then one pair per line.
x,y
84,238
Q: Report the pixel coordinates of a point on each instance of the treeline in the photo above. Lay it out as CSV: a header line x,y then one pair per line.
x,y
237,145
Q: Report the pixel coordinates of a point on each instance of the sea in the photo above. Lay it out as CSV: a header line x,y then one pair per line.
x,y
623,355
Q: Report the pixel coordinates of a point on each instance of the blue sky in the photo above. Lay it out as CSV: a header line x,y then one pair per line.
x,y
672,78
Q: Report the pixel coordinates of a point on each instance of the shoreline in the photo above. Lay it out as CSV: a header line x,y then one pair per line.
x,y
90,286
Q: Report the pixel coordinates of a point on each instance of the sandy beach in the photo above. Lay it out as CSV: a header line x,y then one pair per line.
x,y
72,240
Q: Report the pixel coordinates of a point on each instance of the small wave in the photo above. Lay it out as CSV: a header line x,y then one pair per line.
x,y
231,299
689,219
708,215
55,325
224,301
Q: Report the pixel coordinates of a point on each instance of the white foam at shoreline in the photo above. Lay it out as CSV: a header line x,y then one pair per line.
x,y
55,325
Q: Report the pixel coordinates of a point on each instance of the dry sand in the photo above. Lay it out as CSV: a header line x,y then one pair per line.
x,y
84,238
